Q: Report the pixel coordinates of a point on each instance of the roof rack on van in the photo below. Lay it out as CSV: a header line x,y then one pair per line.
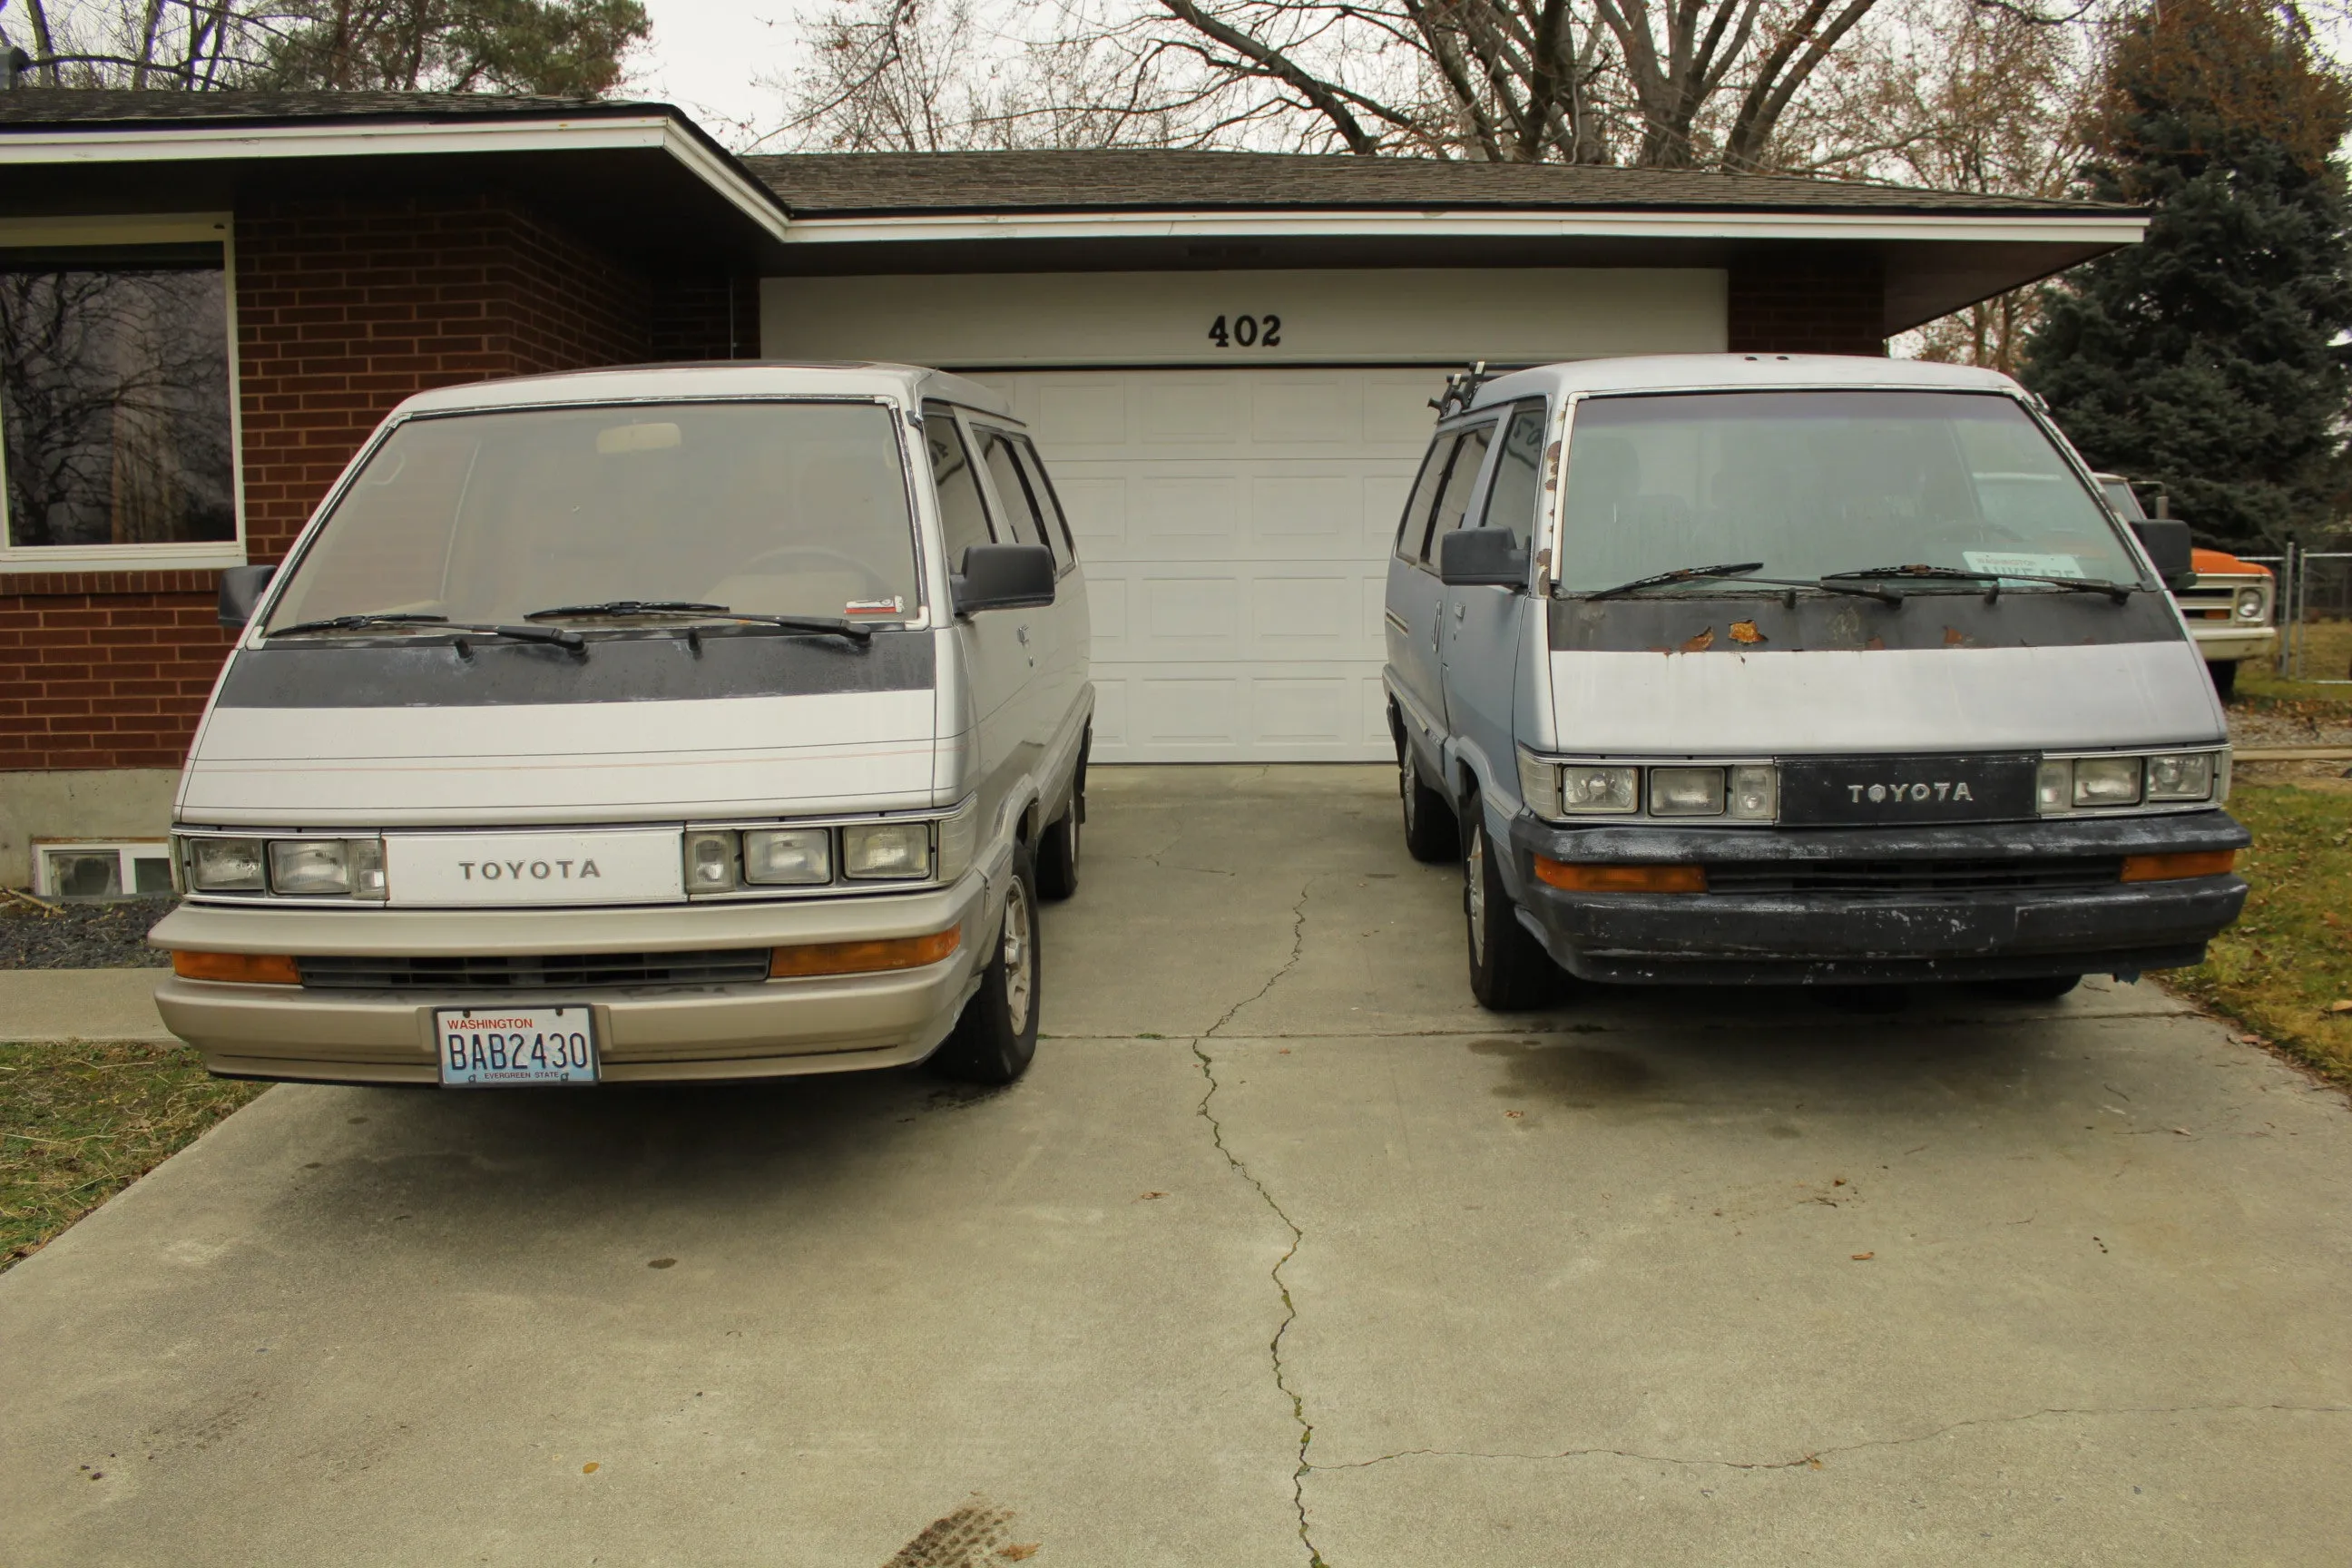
x,y
1460,388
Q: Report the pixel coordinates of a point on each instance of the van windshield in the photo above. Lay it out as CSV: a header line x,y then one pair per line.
x,y
779,509
1811,483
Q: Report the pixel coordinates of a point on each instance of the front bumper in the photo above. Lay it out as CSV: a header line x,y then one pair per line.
x,y
1836,937
644,1033
2221,644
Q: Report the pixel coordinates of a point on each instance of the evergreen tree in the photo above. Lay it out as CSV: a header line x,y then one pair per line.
x,y
2203,357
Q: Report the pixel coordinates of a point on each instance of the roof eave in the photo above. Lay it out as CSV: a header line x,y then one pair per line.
x,y
589,128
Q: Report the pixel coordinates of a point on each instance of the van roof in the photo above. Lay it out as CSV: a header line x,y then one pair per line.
x,y
719,378
1735,372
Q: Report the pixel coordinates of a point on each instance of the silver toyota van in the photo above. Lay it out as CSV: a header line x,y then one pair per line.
x,y
1746,669
671,723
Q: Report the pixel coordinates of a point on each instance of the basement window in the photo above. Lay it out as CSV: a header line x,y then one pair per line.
x,y
117,434
92,868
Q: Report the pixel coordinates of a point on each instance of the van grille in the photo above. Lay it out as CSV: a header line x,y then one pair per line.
x,y
563,972
1898,877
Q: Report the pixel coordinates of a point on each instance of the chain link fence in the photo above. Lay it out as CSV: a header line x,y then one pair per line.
x,y
2314,613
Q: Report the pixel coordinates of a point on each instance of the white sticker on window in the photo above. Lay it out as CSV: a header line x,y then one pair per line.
x,y
2021,564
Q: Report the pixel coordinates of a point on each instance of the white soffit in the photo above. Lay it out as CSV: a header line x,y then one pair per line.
x,y
190,143
1368,316
1471,223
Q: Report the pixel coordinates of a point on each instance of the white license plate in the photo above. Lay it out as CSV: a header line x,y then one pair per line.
x,y
493,1047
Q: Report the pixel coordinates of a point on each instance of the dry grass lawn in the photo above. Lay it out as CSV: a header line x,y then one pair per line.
x,y
79,1121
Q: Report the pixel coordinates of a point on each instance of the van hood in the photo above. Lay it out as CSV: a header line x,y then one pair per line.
x,y
1943,673
386,734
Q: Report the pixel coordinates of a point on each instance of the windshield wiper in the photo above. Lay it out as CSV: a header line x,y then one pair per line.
x,y
1681,574
630,607
2118,592
817,625
555,636
1738,572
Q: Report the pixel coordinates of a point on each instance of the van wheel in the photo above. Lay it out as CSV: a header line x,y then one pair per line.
x,y
2225,680
1509,971
2032,988
1428,830
1057,852
996,1038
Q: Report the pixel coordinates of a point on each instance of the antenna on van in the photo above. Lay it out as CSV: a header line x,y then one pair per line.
x,y
1460,388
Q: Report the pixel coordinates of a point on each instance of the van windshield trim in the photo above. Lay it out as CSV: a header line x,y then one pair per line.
x,y
2054,479
915,616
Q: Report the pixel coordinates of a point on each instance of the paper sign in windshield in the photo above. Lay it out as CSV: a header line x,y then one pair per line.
x,y
2020,564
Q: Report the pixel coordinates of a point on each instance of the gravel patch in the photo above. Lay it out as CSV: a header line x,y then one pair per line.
x,y
82,936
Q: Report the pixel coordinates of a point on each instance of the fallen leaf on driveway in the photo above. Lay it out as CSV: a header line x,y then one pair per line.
x,y
2183,1131
1864,1256
2249,1039
1147,1197
1515,1115
663,1263
2343,1007
1020,1552
589,1468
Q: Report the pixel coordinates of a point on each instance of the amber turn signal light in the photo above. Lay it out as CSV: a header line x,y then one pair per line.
x,y
863,957
1584,877
2172,868
237,968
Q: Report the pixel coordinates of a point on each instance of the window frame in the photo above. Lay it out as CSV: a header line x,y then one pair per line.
x,y
1525,408
1491,422
983,483
987,429
1033,462
180,228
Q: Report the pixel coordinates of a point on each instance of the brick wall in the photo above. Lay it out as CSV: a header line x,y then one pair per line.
x,y
1821,301
343,309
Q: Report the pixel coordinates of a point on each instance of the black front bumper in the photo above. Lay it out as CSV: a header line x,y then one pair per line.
x,y
1840,937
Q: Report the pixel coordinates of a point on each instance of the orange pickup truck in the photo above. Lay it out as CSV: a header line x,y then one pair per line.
x,y
2231,606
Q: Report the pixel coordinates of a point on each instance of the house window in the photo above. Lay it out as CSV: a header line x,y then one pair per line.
x,y
117,435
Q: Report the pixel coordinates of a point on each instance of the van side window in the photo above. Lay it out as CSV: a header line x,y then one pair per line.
x,y
1511,499
963,520
1021,513
1413,528
1461,476
1042,490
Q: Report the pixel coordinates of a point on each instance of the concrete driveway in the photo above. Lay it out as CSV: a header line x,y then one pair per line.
x,y
1283,1250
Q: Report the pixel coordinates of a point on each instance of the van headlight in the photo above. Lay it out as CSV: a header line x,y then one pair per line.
x,y
326,868
2121,783
2181,776
227,865
887,851
2107,781
1685,792
710,861
288,868
1586,789
787,857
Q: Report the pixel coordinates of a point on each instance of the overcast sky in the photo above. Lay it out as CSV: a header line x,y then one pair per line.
x,y
705,54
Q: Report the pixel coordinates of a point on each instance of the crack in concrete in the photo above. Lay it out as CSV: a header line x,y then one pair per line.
x,y
1812,1457
1241,1169
1298,947
1289,1309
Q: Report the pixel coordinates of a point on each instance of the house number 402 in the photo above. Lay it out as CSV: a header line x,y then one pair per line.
x,y
1247,332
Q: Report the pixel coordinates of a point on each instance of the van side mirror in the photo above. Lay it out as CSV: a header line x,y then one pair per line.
x,y
1481,557
2165,540
1003,577
240,590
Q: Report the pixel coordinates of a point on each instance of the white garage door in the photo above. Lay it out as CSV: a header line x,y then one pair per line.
x,y
1235,528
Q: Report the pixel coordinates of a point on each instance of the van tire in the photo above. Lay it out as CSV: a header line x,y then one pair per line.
x,y
2032,988
1509,970
996,1038
1057,852
2225,680
1431,836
